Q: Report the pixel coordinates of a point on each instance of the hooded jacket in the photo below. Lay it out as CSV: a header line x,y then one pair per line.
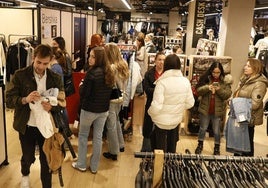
x,y
254,88
221,96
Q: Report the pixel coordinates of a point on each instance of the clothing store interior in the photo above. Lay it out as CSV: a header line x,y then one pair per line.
x,y
228,38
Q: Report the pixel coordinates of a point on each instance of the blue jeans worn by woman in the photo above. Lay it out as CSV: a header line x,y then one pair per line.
x,y
204,123
114,131
86,120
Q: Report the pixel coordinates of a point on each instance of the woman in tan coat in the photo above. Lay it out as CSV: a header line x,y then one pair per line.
x,y
253,84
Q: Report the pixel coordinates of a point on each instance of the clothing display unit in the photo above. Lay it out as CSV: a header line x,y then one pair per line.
x,y
161,169
198,64
3,138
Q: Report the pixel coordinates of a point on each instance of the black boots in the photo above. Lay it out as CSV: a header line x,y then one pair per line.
x,y
199,148
216,149
110,156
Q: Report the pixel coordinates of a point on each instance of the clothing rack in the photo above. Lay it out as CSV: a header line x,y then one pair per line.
x,y
127,47
159,157
2,36
24,37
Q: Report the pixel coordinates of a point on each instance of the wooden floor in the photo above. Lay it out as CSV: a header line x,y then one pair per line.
x,y
111,174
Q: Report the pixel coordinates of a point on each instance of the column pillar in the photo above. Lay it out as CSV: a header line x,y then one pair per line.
x,y
234,34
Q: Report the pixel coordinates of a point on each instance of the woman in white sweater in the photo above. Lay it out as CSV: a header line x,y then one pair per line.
x,y
172,95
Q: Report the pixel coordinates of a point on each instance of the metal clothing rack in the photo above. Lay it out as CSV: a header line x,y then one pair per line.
x,y
24,37
2,36
159,157
127,47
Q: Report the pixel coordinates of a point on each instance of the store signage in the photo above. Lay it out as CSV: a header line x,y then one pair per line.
x,y
199,22
49,19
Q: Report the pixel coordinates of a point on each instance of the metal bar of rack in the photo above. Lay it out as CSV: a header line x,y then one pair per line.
x,y
222,158
18,44
159,157
3,36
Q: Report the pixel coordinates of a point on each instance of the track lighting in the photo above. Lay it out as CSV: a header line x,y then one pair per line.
x,y
126,4
59,2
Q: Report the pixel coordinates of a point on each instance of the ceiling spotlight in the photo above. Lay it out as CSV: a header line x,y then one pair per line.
x,y
101,10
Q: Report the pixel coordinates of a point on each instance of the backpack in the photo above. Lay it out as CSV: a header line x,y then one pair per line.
x,y
55,153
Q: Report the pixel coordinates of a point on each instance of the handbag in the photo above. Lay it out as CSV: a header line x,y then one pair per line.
x,y
116,93
68,85
61,122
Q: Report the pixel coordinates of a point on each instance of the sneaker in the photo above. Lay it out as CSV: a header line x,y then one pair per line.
x,y
74,165
25,182
110,156
122,149
92,171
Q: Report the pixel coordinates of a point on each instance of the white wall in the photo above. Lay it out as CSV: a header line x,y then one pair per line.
x,y
16,21
66,31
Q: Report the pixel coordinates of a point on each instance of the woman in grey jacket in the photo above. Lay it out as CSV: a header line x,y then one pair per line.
x,y
253,84
214,88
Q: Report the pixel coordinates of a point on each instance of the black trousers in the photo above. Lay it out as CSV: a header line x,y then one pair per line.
x,y
28,142
165,140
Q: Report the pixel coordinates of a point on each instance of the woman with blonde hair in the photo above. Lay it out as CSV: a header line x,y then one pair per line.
x,y
114,130
253,85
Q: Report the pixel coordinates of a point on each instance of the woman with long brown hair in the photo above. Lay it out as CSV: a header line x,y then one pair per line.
x,y
95,101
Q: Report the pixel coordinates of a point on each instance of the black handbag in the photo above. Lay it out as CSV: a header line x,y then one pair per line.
x,y
116,93
61,122
69,85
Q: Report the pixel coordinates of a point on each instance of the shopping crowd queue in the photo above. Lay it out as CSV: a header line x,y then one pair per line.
x,y
106,88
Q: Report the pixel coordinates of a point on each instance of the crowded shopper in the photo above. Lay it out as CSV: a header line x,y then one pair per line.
x,y
27,87
141,55
172,96
113,126
213,89
149,79
66,64
95,94
253,85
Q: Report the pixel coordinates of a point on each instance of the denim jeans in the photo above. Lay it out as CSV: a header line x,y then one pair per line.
x,y
86,120
114,131
28,142
204,123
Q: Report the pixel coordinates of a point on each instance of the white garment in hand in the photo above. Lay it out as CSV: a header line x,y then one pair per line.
x,y
43,121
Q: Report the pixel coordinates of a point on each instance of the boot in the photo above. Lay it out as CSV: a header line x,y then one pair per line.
x,y
199,148
216,149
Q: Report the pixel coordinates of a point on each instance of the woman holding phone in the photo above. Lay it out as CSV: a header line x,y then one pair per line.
x,y
214,88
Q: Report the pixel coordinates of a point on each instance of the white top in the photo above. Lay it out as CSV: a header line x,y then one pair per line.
x,y
262,44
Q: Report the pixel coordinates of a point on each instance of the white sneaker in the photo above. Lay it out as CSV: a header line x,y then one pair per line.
x,y
25,182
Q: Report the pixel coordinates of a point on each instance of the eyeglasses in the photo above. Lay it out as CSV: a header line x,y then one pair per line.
x,y
216,72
